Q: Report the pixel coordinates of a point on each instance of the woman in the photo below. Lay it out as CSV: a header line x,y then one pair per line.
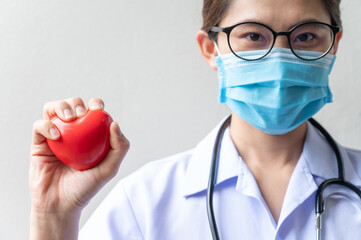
x,y
271,159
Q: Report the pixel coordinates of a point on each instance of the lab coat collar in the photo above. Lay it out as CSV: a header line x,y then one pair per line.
x,y
199,166
321,158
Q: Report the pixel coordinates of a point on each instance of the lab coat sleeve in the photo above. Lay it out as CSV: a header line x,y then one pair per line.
x,y
113,219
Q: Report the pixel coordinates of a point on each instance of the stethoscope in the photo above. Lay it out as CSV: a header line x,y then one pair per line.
x,y
319,208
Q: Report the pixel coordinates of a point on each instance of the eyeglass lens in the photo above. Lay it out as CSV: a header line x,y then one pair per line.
x,y
312,37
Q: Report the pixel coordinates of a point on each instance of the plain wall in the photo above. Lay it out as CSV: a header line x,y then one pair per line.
x,y
142,59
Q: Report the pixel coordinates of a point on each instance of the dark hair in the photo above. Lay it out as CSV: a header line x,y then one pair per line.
x,y
333,7
214,10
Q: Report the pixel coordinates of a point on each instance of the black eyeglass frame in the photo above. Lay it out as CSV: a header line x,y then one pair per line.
x,y
213,31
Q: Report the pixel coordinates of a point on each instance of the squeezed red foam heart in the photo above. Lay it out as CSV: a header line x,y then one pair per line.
x,y
84,142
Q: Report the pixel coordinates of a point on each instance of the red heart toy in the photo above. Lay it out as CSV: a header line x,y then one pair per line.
x,y
84,142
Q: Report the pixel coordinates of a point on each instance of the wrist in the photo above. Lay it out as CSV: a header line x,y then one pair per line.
x,y
57,226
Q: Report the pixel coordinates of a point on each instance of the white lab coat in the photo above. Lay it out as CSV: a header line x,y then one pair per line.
x,y
166,199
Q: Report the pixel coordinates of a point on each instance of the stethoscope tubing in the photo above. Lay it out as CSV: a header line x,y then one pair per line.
x,y
334,146
319,208
213,178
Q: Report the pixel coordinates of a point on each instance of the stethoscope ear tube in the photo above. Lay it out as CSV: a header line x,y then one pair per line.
x,y
333,144
320,203
213,178
319,208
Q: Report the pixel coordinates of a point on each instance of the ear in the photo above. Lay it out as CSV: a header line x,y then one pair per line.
x,y
207,48
337,41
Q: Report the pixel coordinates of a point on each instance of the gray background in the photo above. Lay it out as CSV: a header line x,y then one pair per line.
x,y
142,59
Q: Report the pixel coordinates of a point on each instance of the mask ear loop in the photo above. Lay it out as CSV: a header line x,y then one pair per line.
x,y
217,49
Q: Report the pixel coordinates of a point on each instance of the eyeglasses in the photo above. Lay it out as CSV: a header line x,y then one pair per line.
x,y
316,37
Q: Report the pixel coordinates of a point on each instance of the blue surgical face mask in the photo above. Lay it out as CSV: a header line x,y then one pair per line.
x,y
277,93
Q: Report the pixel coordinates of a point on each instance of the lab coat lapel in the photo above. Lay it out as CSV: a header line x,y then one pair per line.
x,y
300,188
199,167
322,161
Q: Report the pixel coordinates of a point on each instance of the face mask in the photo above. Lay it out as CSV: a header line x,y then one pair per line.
x,y
276,93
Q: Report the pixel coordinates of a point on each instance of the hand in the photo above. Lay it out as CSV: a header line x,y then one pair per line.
x,y
59,191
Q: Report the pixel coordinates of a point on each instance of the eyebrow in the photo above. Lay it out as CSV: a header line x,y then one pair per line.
x,y
308,20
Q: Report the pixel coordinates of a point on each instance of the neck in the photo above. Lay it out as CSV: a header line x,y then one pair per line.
x,y
270,158
260,150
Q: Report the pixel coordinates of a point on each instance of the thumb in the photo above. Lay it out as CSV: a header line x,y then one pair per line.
x,y
117,139
119,146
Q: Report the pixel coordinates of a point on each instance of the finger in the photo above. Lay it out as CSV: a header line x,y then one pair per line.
x,y
119,146
60,108
95,104
77,106
43,129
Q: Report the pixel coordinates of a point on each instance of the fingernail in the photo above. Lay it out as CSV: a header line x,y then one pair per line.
x,y
68,113
96,106
54,133
80,111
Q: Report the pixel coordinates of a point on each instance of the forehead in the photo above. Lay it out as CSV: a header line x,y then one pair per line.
x,y
281,15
